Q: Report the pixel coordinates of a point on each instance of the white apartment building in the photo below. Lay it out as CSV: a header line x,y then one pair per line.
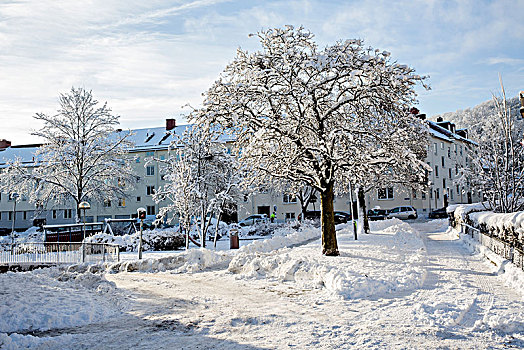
x,y
446,154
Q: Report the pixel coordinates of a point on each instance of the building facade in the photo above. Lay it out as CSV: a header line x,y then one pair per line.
x,y
446,154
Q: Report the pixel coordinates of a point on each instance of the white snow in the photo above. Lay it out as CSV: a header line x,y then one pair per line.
x,y
402,286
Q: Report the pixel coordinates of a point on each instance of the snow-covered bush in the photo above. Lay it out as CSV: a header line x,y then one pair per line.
x,y
507,227
158,239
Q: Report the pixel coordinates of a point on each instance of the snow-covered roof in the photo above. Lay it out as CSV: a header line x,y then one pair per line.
x,y
444,134
144,140
26,154
155,138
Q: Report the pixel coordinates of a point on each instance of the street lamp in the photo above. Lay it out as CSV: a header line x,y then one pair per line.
x,y
141,215
84,206
14,197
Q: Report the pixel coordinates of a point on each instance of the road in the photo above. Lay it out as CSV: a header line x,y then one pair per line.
x,y
462,304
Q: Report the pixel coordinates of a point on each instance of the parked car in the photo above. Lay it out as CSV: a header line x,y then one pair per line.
x,y
253,219
310,215
404,212
343,214
377,214
438,214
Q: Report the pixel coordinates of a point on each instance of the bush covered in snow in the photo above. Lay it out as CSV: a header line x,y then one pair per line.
x,y
508,227
157,239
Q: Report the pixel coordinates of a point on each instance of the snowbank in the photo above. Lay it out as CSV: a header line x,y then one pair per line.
x,y
71,296
512,275
395,263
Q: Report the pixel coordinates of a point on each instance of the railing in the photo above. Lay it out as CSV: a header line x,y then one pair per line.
x,y
58,253
496,245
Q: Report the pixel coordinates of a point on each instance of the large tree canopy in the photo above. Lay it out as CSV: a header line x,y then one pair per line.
x,y
83,156
314,115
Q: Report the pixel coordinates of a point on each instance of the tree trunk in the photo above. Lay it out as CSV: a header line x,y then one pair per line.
x,y
362,204
329,236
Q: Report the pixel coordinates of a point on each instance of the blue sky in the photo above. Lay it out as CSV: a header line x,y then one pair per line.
x,y
149,58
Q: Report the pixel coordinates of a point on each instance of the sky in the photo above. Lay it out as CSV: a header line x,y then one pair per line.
x,y
149,59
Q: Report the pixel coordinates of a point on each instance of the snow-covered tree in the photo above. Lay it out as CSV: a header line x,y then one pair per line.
x,y
83,156
202,179
309,115
496,165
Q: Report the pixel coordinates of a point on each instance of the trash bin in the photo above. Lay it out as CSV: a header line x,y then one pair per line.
x,y
233,239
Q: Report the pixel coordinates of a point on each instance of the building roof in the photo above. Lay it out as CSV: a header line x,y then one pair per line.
x,y
444,134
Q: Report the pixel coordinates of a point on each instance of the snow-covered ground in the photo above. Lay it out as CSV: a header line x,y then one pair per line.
x,y
403,286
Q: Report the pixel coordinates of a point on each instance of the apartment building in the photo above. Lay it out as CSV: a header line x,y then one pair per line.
x,y
446,155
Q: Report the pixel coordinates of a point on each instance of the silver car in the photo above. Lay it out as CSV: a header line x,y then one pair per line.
x,y
404,212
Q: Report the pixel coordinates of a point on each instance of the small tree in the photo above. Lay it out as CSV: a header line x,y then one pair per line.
x,y
83,156
496,165
201,176
305,114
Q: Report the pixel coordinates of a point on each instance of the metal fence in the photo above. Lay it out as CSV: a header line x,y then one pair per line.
x,y
496,245
58,253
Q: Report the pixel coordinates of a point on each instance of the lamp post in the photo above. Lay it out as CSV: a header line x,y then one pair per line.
x,y
141,215
14,197
84,206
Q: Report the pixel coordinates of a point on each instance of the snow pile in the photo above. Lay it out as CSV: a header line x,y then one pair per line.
x,y
512,275
194,260
50,299
395,264
467,208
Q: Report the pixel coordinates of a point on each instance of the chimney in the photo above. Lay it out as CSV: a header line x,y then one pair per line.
x,y
170,124
463,133
4,144
440,120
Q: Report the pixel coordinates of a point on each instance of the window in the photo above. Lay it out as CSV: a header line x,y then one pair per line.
x,y
68,214
443,164
150,190
437,193
138,199
456,169
460,149
12,196
436,170
150,170
455,148
162,157
442,145
288,198
414,194
150,153
449,152
385,193
246,197
423,195
150,210
54,214
25,215
458,189
451,194
10,216
435,148
137,160
431,194
450,173
107,203
290,216
443,183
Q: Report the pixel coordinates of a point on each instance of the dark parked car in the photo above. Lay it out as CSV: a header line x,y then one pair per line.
x,y
377,214
438,214
314,215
